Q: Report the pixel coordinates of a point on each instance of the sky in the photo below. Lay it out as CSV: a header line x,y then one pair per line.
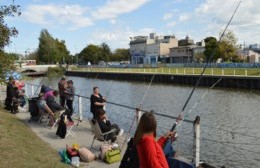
x,y
83,22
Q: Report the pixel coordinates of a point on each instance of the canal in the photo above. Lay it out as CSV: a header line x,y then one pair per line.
x,y
230,127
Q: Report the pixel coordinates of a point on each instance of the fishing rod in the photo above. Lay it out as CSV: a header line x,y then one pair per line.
x,y
206,65
38,87
138,109
126,106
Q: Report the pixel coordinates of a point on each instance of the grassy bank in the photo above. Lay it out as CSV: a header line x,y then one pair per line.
x,y
20,147
186,71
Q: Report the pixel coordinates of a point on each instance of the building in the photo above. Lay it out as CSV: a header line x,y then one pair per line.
x,y
147,50
187,51
249,55
254,46
137,49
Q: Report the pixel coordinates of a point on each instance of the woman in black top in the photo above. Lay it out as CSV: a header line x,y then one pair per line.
x,y
97,102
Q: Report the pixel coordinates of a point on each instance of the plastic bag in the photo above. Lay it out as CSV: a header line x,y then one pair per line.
x,y
75,161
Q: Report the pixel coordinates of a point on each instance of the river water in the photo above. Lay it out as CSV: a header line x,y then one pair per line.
x,y
230,127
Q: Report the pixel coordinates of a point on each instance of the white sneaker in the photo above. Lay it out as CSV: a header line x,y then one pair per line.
x,y
121,132
114,145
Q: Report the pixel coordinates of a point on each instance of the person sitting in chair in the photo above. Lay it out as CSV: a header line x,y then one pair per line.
x,y
55,107
105,126
43,107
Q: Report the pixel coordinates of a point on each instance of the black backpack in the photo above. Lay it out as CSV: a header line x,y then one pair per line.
x,y
130,158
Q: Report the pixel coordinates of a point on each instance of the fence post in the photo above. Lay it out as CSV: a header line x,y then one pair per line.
x,y
32,91
139,115
80,108
246,72
196,141
156,70
222,72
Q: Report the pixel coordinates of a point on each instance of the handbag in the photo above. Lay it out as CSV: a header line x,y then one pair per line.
x,y
112,156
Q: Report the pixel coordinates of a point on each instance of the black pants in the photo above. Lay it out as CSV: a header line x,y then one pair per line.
x,y
69,104
62,101
112,136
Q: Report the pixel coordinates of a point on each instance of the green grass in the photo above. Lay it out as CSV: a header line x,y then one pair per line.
x,y
20,147
187,71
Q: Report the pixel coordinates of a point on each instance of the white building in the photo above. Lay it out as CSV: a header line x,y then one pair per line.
x,y
248,55
147,50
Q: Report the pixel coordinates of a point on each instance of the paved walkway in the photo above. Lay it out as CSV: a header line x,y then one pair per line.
x,y
84,139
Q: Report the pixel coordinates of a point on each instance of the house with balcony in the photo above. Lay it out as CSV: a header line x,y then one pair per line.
x,y
186,51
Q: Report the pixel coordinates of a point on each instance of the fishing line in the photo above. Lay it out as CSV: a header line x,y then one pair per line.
x,y
198,102
137,110
206,65
38,87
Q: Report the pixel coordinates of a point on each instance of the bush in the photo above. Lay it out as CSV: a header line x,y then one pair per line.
x,y
56,71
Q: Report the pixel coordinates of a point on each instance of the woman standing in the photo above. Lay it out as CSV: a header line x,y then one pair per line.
x,y
149,150
97,102
69,95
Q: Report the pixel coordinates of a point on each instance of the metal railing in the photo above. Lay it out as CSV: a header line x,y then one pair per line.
x,y
178,71
164,121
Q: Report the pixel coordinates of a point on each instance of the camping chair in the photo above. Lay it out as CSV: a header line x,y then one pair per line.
x,y
70,125
57,117
98,135
45,118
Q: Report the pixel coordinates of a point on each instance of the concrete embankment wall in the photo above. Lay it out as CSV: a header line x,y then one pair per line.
x,y
242,82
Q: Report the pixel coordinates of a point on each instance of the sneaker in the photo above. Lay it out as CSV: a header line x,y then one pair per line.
x,y
121,132
114,145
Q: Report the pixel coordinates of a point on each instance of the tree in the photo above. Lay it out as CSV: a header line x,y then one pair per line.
x,y
228,48
210,46
91,54
6,32
51,50
121,54
105,52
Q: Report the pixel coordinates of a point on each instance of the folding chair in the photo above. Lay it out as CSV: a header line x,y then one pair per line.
x,y
45,118
70,125
98,135
57,117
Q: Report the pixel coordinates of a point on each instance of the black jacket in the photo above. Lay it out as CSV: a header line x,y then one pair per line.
x,y
52,104
10,91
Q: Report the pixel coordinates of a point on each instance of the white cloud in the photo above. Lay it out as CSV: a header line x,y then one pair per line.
x,y
51,14
167,16
113,8
113,21
214,15
117,38
184,17
171,24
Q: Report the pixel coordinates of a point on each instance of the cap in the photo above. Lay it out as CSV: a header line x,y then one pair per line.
x,y
11,78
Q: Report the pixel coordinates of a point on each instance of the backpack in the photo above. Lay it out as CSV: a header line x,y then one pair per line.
x,y
130,158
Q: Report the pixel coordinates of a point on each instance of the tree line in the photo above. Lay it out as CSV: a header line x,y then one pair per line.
x,y
52,50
